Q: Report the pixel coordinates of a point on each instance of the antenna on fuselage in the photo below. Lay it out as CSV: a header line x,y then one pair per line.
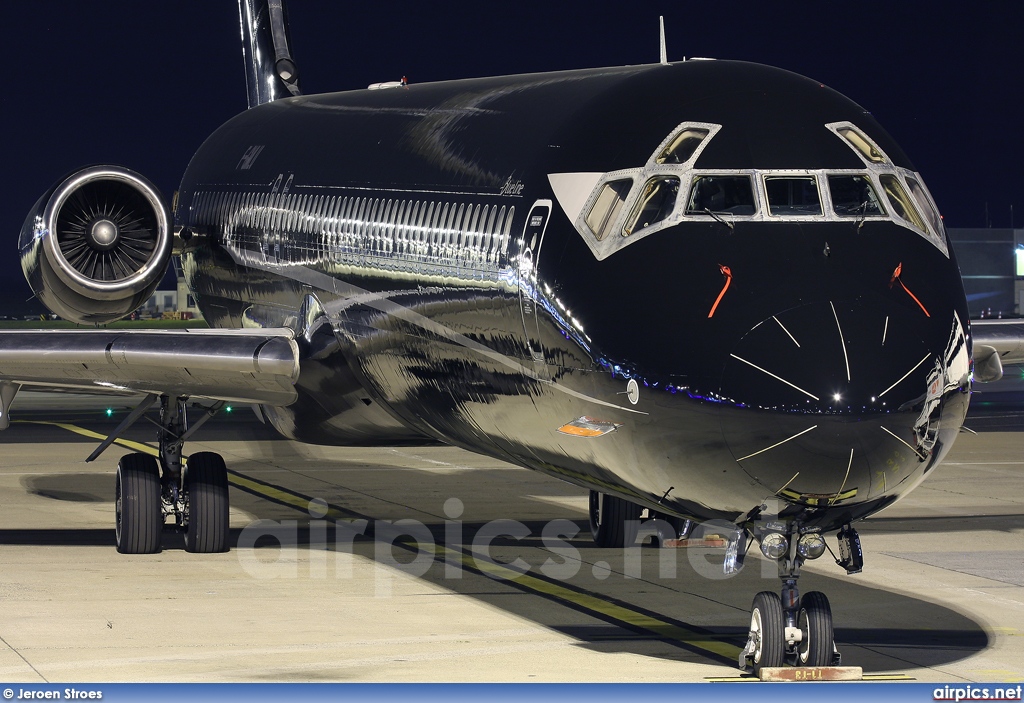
x,y
664,50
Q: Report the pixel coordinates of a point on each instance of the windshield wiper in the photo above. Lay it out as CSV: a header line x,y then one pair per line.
x,y
863,215
718,218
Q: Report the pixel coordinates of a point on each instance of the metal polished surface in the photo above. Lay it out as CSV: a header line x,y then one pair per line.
x,y
96,245
744,361
270,72
242,366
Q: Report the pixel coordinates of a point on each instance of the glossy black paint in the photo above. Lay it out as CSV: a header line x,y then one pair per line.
x,y
494,344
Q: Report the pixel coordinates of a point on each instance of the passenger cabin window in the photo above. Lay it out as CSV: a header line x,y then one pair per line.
x,y
853,196
900,201
681,148
656,202
606,208
792,195
733,195
862,144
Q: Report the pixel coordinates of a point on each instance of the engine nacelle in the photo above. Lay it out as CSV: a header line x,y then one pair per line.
x,y
96,245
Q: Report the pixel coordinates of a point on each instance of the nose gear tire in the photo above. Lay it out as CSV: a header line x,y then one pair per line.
x,y
815,622
767,631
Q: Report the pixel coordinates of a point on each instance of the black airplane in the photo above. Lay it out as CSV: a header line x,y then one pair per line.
x,y
711,290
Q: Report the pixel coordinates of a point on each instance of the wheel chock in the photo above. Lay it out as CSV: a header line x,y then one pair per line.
x,y
812,673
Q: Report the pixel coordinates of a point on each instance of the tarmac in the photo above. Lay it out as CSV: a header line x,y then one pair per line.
x,y
388,565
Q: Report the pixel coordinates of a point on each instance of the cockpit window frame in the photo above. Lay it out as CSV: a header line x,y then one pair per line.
x,y
838,128
705,174
608,223
629,222
885,167
882,212
651,170
711,128
793,175
615,234
933,218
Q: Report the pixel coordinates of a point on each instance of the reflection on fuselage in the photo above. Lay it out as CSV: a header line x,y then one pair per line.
x,y
480,314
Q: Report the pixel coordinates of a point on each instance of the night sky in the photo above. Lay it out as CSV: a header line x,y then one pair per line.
x,y
142,83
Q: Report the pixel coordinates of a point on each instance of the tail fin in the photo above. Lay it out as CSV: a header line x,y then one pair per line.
x,y
270,72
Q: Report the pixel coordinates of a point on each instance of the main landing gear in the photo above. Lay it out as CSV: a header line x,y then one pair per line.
x,y
790,630
614,522
149,490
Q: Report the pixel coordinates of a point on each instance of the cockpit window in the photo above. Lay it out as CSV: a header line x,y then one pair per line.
x,y
656,202
681,148
606,208
900,201
669,189
862,144
792,195
721,194
853,196
926,205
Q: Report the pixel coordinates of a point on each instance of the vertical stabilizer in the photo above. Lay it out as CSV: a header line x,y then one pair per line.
x,y
270,71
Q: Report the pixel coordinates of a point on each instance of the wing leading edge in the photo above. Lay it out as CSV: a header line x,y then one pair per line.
x,y
239,366
996,342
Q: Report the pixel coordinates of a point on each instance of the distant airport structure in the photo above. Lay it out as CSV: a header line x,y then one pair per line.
x,y
172,300
992,264
177,302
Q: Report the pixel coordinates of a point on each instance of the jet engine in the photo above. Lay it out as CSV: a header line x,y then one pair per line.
x,y
96,245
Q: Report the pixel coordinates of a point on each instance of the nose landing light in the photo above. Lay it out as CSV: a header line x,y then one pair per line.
x,y
774,545
811,546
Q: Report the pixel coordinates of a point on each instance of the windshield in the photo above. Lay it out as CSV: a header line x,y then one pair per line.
x,y
607,206
656,202
853,196
792,195
721,194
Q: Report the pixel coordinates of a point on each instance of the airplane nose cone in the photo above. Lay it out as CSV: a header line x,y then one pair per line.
x,y
837,401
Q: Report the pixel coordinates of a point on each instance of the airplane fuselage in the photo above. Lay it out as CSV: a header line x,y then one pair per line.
x,y
658,282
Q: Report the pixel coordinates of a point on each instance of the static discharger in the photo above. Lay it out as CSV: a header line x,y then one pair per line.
x,y
727,272
588,427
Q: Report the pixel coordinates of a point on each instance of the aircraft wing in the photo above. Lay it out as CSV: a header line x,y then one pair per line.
x,y
996,342
239,366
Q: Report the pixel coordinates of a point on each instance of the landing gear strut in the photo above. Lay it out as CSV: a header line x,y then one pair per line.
x,y
195,495
788,629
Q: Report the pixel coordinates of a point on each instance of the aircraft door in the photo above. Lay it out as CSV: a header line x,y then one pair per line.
x,y
530,295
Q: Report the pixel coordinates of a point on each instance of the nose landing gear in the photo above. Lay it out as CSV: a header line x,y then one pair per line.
x,y
787,630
